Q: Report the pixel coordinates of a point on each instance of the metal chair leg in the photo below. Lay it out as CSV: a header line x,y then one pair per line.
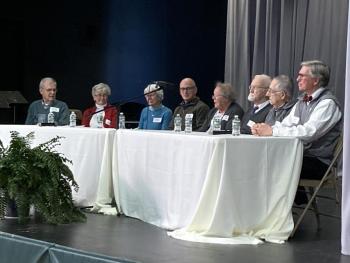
x,y
315,208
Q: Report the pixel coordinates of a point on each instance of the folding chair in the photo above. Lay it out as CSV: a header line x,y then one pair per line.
x,y
329,179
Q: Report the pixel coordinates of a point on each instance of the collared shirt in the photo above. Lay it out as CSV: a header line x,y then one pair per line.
x,y
261,106
324,116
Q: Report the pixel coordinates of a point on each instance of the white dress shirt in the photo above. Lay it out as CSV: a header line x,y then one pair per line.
x,y
324,116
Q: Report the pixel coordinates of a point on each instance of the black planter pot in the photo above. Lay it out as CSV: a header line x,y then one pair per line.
x,y
11,209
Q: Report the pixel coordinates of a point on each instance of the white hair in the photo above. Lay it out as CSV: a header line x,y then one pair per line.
x,y
101,88
47,79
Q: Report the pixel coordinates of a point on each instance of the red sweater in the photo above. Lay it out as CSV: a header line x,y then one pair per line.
x,y
110,114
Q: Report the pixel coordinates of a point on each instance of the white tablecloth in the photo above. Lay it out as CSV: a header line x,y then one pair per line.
x,y
210,186
90,150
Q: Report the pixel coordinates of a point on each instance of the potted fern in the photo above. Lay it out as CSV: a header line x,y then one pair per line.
x,y
39,176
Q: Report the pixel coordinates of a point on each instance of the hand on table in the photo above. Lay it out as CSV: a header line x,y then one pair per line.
x,y
261,129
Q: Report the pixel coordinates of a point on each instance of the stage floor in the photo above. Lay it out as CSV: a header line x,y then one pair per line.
x,y
132,239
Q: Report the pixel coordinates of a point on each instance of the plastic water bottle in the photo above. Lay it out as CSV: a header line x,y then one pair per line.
x,y
216,123
99,119
72,119
177,123
188,122
51,117
236,126
121,121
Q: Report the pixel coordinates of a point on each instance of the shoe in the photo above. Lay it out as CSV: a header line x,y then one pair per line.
x,y
301,197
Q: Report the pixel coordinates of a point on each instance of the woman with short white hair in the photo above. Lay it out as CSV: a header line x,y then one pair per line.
x,y
155,116
102,115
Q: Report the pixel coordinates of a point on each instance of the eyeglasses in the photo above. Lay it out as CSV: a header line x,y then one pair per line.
x,y
150,94
303,75
215,97
256,87
186,88
101,95
271,91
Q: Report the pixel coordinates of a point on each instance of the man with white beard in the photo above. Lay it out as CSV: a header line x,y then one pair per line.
x,y
261,105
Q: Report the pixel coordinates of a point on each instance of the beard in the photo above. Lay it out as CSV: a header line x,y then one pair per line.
x,y
251,97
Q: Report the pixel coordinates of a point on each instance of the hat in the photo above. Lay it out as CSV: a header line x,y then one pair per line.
x,y
156,88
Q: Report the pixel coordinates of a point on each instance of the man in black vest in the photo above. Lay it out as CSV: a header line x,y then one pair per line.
x,y
261,105
315,119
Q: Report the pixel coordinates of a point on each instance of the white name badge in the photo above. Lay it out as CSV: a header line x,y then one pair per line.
x,y
54,109
157,120
108,122
225,118
250,123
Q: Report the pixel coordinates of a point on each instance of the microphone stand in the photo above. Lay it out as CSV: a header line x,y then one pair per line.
x,y
160,84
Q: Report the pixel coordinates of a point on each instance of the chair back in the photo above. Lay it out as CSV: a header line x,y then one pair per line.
x,y
79,115
330,178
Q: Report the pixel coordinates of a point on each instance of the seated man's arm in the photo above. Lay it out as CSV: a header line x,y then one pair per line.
x,y
201,116
325,115
30,116
64,115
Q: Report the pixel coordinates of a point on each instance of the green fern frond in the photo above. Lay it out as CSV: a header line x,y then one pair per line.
x,y
40,175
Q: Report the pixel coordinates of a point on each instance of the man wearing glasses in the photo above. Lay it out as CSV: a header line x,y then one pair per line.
x,y
280,96
225,108
261,105
191,104
39,109
315,119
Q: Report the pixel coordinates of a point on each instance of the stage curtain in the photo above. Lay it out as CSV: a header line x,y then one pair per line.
x,y
345,234
274,36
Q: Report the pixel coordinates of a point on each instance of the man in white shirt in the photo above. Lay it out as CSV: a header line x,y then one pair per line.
x,y
315,119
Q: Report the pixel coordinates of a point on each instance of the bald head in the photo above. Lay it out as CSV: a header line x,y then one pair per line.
x,y
187,82
188,89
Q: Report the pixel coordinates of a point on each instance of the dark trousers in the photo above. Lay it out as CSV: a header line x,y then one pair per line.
x,y
312,168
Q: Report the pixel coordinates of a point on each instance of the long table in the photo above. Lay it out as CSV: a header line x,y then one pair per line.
x,y
208,186
89,149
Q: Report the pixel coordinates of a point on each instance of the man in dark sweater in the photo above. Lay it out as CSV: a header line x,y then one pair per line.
x,y
191,104
261,105
39,109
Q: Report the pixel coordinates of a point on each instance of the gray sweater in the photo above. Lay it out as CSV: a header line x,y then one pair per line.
x,y
38,109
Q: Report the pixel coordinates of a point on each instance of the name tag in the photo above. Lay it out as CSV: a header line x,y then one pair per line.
x,y
225,118
250,123
108,122
157,120
54,109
